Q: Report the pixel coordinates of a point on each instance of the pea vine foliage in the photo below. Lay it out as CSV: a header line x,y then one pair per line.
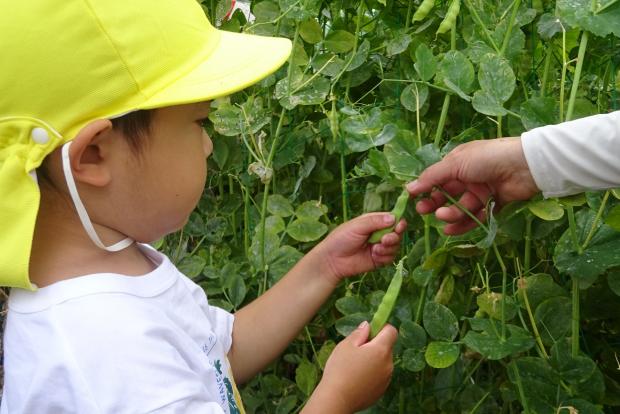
x,y
520,315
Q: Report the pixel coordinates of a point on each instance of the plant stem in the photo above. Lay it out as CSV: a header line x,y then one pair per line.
x,y
573,229
446,100
543,82
528,244
520,388
583,44
575,319
478,20
594,226
498,256
513,16
533,322
263,212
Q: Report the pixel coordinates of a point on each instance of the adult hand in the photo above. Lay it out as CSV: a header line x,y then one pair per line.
x,y
475,171
346,251
356,374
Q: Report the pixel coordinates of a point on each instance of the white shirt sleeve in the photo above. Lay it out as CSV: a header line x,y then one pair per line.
x,y
575,156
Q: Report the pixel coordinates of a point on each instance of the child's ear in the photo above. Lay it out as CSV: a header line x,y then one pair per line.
x,y
87,161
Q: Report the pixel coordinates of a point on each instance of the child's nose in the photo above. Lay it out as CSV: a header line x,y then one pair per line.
x,y
207,144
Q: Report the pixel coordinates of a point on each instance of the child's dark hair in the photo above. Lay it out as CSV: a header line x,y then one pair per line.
x,y
134,126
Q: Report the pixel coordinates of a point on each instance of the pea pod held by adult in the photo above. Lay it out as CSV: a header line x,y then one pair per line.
x,y
450,18
425,7
398,211
384,310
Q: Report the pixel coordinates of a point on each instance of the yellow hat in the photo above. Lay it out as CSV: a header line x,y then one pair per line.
x,y
66,63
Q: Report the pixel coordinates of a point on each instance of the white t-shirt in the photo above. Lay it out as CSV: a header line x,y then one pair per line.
x,y
108,343
575,156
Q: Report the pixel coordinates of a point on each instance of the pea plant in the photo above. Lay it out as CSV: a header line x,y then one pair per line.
x,y
519,315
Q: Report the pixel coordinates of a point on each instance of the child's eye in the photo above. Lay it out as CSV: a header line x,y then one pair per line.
x,y
203,122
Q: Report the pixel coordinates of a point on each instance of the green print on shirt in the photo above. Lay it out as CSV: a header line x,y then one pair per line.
x,y
232,403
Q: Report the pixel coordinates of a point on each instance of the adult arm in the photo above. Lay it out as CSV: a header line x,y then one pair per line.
x,y
558,160
575,156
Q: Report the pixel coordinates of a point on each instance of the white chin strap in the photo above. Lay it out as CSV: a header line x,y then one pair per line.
x,y
79,206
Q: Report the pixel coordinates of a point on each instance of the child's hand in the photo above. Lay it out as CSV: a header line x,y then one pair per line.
x,y
346,251
357,373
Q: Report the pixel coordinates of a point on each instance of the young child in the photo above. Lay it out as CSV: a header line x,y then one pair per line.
x,y
102,149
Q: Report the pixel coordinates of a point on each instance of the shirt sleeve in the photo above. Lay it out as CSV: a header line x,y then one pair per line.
x,y
575,156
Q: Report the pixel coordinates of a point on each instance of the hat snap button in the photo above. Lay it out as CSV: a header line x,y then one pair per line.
x,y
40,136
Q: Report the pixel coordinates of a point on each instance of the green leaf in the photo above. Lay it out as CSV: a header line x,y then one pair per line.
x,y
488,104
539,287
579,13
311,210
613,280
303,90
412,335
275,224
300,11
456,68
306,230
279,205
571,369
548,26
360,57
328,64
339,41
306,376
236,289
249,118
400,154
613,218
431,267
496,77
284,259
351,304
441,354
489,343
414,96
349,323
440,322
602,253
492,227
365,131
413,360
192,266
491,304
398,44
425,63
548,210
553,317
310,30
539,111
326,350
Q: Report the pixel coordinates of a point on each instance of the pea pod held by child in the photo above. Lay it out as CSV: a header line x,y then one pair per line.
x,y
398,211
384,310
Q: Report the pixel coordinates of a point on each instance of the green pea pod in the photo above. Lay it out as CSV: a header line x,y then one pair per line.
x,y
384,310
397,212
423,10
450,18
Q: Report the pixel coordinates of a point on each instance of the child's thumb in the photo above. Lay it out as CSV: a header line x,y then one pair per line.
x,y
374,221
360,336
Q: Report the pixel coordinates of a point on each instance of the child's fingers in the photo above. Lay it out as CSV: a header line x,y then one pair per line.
x,y
401,227
387,336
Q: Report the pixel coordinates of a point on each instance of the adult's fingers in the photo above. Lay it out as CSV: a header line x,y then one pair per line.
x,y
437,174
464,225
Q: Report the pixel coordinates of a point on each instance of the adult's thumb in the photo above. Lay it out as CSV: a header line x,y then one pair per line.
x,y
360,336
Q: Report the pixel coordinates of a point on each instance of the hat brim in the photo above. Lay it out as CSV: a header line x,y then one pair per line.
x,y
238,61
